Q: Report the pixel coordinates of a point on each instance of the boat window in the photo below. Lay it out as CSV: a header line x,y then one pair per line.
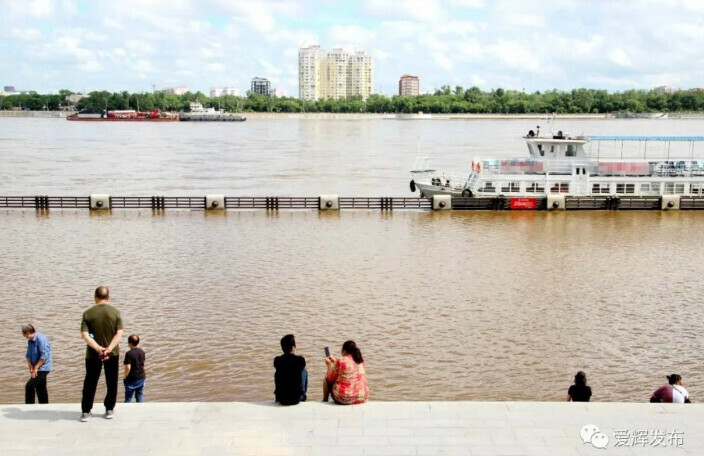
x,y
625,188
540,149
695,189
488,187
672,188
510,187
552,149
577,171
571,151
560,187
650,188
601,188
535,187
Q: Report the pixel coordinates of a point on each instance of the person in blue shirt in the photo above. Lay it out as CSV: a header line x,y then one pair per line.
x,y
39,361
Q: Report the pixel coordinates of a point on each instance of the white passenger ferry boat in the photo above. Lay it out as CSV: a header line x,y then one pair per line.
x,y
577,166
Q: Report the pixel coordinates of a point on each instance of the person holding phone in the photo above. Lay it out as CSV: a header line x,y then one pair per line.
x,y
291,377
346,378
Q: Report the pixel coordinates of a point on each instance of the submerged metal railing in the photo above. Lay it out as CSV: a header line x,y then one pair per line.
x,y
334,202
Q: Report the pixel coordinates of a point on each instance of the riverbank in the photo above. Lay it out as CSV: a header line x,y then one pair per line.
x,y
38,114
398,116
420,116
347,116
376,428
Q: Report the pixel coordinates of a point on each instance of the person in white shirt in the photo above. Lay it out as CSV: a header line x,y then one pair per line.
x,y
672,393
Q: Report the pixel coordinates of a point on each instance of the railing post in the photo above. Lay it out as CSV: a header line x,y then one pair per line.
x,y
556,202
99,201
214,202
670,202
442,202
329,203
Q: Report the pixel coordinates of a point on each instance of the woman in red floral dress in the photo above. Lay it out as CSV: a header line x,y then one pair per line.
x,y
346,379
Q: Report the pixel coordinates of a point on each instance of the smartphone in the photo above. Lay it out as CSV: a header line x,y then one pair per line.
x,y
327,351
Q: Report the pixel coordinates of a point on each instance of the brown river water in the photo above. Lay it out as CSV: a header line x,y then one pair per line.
x,y
445,306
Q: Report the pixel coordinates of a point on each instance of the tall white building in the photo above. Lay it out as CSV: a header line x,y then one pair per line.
x,y
334,74
222,91
176,90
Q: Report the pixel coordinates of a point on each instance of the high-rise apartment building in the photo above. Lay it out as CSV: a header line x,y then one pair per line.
x,y
261,86
222,91
334,74
408,85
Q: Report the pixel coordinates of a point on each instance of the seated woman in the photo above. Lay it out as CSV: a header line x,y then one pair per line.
x,y
346,379
672,393
579,392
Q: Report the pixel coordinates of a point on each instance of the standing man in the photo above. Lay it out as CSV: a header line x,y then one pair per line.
x,y
39,361
101,329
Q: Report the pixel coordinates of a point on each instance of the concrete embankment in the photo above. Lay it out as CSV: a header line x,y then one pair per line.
x,y
40,114
366,116
381,428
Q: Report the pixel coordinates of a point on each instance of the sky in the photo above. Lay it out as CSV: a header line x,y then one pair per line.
x,y
116,45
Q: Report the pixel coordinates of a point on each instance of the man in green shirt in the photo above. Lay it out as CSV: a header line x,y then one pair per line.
x,y
101,329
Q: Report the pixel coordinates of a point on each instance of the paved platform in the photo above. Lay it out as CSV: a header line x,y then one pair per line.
x,y
376,428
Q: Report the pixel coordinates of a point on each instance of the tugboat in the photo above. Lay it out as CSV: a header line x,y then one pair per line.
x,y
125,116
560,164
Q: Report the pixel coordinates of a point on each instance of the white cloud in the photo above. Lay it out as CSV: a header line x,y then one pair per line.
x,y
468,3
39,8
129,44
515,55
443,62
92,66
620,57
28,34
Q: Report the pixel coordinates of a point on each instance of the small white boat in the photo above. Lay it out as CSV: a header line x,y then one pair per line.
x,y
561,164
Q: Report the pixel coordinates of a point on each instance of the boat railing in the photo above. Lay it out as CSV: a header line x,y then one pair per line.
x,y
600,167
421,166
646,147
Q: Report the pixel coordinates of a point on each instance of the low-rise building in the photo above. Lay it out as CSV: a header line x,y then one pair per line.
x,y
222,91
663,89
176,90
74,98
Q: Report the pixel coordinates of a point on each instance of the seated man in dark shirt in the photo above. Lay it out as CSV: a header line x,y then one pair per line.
x,y
291,378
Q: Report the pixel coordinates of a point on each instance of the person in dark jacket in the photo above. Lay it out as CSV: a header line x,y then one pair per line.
x,y
579,392
291,377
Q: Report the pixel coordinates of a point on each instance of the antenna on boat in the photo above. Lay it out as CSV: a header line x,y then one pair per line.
x,y
550,122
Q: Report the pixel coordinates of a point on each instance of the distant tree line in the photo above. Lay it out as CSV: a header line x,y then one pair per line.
x,y
444,100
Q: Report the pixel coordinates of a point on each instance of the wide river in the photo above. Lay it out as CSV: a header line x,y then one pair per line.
x,y
445,306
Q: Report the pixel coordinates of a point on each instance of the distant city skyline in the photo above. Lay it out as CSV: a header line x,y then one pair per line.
x,y
512,44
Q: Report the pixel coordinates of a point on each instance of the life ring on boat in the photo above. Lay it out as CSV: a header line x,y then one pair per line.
x,y
479,167
413,186
473,165
467,193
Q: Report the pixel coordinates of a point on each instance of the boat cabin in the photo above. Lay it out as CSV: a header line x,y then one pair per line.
x,y
558,147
